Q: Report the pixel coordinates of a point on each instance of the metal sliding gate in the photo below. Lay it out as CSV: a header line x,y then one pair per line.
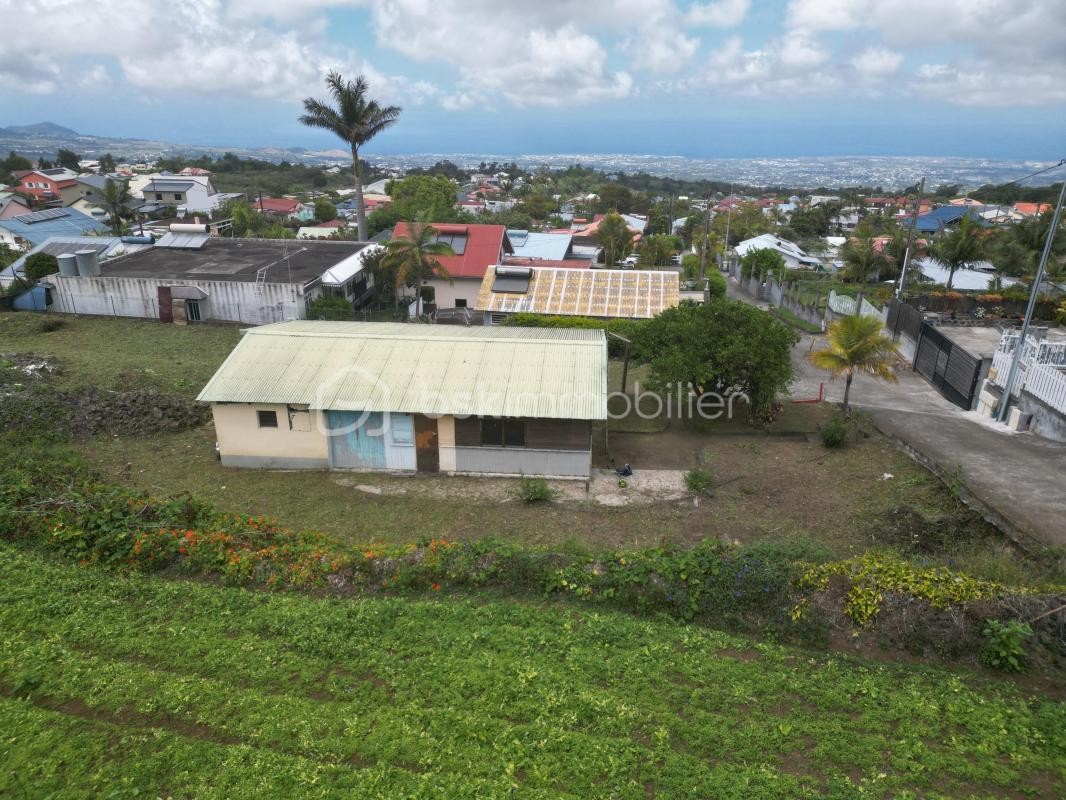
x,y
950,368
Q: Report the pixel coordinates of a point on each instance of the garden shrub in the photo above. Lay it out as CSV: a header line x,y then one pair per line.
x,y
835,432
1003,650
698,480
534,490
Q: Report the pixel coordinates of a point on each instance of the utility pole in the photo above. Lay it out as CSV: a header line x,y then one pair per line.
x,y
703,244
1012,374
728,222
910,239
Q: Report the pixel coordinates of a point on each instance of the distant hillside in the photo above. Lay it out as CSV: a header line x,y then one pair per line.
x,y
39,129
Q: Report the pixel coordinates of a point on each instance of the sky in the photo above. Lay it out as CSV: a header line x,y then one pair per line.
x,y
711,78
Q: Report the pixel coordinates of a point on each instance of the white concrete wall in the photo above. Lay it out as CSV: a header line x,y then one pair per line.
x,y
235,301
459,288
242,443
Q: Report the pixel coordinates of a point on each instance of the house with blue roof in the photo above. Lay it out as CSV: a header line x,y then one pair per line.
x,y
940,218
37,227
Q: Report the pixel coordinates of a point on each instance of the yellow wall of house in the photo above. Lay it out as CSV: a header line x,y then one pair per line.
x,y
446,443
240,437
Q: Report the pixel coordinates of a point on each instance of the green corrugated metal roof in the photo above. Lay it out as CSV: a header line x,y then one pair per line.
x,y
558,373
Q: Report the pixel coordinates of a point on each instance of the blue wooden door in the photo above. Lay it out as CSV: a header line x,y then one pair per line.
x,y
356,441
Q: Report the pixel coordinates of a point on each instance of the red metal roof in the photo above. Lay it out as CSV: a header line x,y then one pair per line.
x,y
485,246
277,205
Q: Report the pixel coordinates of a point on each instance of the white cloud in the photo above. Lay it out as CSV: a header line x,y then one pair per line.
x,y
799,49
719,13
495,53
877,62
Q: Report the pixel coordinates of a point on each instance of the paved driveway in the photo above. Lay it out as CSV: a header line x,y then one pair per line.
x,y
1018,477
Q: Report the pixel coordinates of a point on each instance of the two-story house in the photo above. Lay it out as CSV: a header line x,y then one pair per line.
x,y
49,185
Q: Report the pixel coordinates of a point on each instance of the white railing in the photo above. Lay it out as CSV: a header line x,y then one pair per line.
x,y
1048,384
1035,351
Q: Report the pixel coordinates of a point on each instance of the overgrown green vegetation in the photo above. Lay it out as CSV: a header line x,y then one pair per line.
x,y
133,687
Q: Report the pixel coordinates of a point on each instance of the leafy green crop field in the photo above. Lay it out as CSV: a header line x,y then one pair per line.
x,y
116,687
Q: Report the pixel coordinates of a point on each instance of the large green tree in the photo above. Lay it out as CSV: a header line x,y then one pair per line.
x,y
761,262
615,237
356,119
423,196
69,159
720,346
656,250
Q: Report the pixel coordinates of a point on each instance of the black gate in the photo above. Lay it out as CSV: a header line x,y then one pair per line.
x,y
950,368
905,319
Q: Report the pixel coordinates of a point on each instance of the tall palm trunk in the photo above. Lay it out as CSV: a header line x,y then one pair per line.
x,y
847,391
360,209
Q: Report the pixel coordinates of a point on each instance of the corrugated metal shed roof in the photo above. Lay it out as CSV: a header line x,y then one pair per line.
x,y
425,369
635,294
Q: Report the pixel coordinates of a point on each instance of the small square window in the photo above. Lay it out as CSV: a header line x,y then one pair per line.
x,y
158,195
460,302
177,196
267,419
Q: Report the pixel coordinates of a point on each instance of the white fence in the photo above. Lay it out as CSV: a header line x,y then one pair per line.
x,y
1040,370
1048,384
844,306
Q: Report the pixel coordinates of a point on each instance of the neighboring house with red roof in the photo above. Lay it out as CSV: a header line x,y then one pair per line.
x,y
476,247
284,207
49,185
1032,209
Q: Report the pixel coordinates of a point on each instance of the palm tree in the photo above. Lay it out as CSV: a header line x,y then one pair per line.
x,y
116,199
863,259
413,257
614,236
962,246
856,345
357,119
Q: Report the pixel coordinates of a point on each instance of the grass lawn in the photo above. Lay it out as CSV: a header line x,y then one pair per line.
x,y
142,687
122,354
764,485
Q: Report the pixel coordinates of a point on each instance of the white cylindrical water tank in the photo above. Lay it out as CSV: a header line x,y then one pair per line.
x,y
187,227
68,265
87,264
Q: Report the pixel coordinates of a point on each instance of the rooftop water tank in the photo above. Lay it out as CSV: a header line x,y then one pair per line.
x,y
68,265
188,227
87,263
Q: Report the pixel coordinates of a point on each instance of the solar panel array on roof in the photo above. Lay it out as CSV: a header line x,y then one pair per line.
x,y
41,216
636,294
183,241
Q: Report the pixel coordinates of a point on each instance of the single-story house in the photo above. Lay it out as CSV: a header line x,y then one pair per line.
x,y
603,293
945,216
285,207
395,397
188,277
793,254
973,277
